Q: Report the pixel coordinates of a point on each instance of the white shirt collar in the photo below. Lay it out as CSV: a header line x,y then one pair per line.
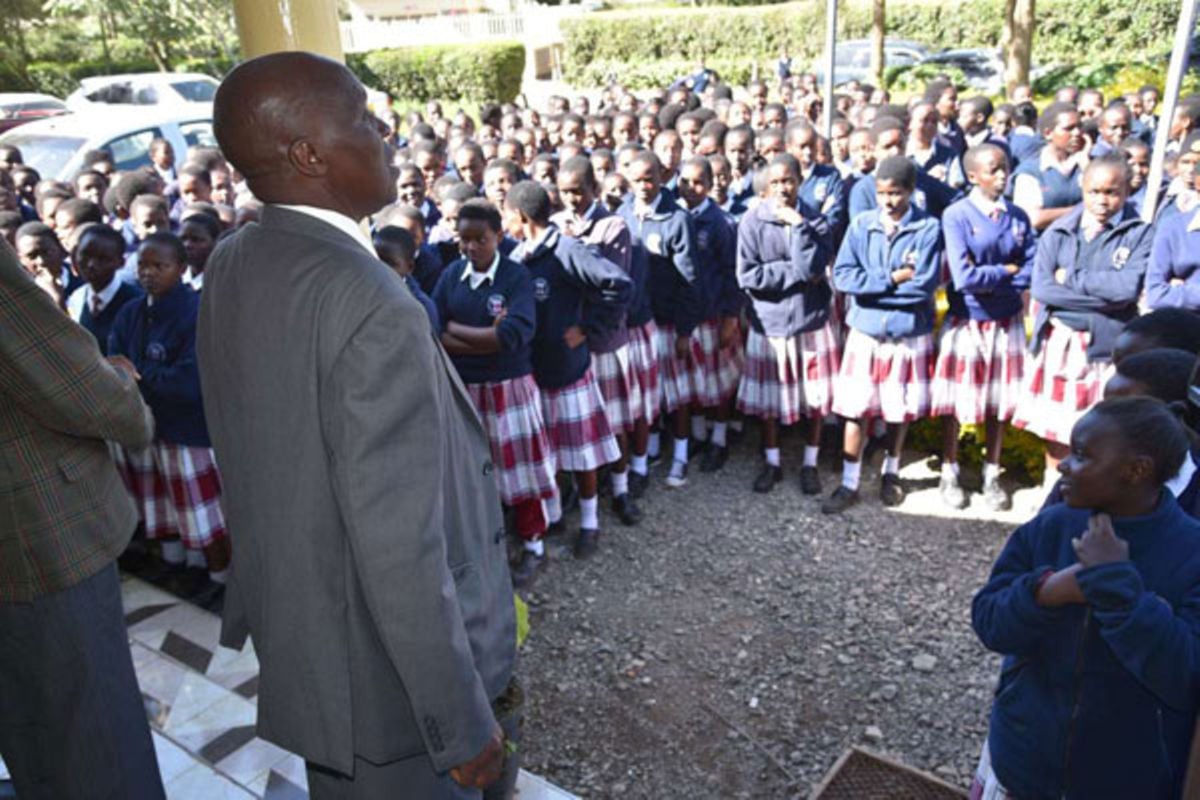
x,y
196,281
920,153
337,220
1048,161
984,204
81,298
1183,477
976,139
477,278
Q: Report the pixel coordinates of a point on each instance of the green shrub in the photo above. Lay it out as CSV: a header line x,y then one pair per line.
x,y
1023,454
61,78
477,73
1067,30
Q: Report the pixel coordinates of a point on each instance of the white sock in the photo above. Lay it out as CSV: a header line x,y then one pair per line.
x,y
950,471
589,516
195,558
810,455
891,465
553,508
218,575
638,464
681,447
699,428
851,473
536,546
172,552
772,456
655,444
718,433
678,468
620,483
991,472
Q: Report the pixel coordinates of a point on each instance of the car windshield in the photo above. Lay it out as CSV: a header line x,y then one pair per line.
x,y
47,154
196,91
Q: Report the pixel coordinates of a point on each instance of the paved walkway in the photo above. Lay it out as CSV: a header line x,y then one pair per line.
x,y
202,701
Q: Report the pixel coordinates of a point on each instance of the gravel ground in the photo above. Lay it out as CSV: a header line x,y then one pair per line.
x,y
733,645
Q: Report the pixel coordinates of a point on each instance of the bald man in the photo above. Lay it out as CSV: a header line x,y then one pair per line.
x,y
368,554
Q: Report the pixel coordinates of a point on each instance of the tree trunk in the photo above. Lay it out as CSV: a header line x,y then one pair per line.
x,y
878,32
1018,39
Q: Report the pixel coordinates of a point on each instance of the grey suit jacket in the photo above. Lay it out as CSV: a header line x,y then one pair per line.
x,y
368,556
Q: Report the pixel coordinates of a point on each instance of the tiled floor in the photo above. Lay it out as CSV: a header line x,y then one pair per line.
x,y
202,702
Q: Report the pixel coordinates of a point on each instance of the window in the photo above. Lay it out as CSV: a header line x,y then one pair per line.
x,y
132,150
197,91
146,96
198,133
47,154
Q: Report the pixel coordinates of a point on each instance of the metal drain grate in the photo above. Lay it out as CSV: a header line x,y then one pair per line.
x,y
862,775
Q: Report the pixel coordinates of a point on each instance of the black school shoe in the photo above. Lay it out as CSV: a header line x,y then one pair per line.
x,y
637,484
767,478
810,480
842,498
587,543
625,509
714,458
526,571
891,490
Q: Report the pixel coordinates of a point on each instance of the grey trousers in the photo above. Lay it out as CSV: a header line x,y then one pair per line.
x,y
72,722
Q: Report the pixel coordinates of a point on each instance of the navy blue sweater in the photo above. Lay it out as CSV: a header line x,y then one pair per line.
x,y
864,267
1103,281
931,195
1095,700
783,271
427,267
667,242
100,326
567,276
824,185
716,257
512,292
160,340
978,248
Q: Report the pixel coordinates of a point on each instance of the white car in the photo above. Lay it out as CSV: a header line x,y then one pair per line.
x,y
166,89
55,147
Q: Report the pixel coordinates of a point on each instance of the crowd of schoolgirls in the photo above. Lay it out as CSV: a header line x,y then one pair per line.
x,y
629,284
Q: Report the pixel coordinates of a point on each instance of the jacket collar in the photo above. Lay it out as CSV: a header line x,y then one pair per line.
x,y
910,217
536,248
172,300
1069,224
277,217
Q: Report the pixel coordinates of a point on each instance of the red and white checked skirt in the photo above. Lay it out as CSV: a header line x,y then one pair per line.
x,y
1061,384
177,490
985,785
678,378
578,427
979,369
619,387
788,377
720,368
643,357
511,411
887,378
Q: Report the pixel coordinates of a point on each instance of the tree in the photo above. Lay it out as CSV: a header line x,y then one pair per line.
x,y
878,33
1016,41
14,16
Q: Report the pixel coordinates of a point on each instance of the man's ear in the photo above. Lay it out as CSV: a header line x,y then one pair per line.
x,y
305,159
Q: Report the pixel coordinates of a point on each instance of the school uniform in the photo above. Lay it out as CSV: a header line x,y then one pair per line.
x,y
931,195
791,349
665,235
501,384
643,337
981,350
435,320
938,154
1078,321
1025,144
742,189
1095,700
97,311
607,235
427,267
175,482
823,194
432,215
566,276
951,136
1058,185
1176,256
719,368
734,208
888,355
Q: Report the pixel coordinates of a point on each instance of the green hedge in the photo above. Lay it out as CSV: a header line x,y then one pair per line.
x,y
61,78
1067,30
477,73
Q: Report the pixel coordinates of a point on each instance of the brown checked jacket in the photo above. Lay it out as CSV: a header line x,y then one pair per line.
x,y
64,512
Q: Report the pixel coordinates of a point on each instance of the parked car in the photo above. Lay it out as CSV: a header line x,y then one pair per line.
x,y
19,108
982,69
167,89
852,59
55,146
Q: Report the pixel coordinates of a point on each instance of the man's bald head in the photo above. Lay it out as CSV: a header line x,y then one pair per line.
x,y
297,127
